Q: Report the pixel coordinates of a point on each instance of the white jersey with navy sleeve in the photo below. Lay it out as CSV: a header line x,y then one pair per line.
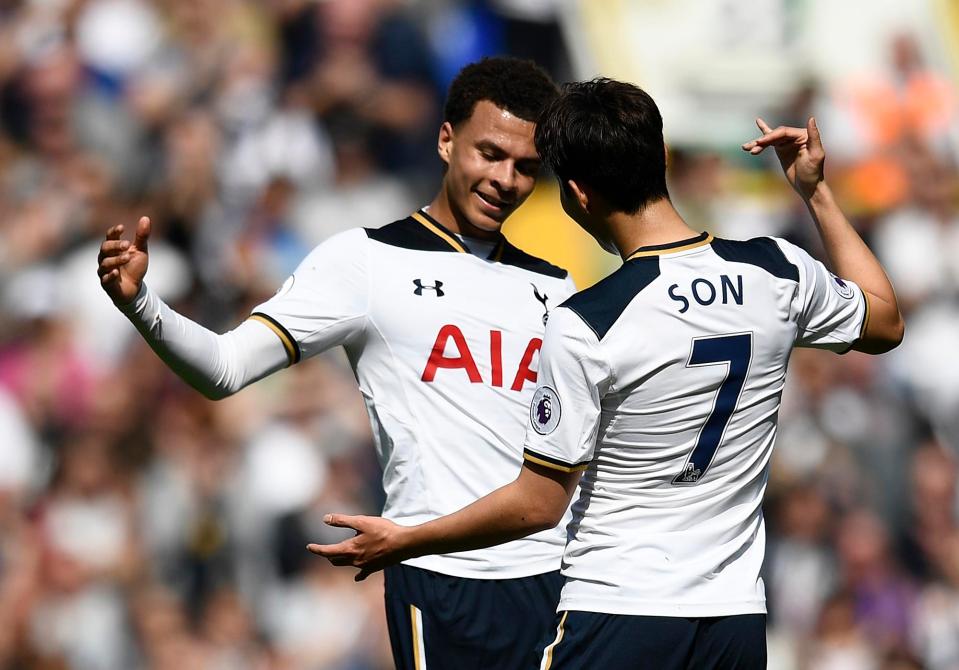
x,y
445,348
663,383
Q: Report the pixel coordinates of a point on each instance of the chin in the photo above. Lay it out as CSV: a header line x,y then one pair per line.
x,y
486,223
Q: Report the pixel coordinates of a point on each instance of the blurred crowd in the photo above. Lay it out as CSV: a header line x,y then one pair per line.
x,y
143,526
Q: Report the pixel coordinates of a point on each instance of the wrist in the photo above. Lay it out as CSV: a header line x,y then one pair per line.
x,y
820,195
135,304
407,540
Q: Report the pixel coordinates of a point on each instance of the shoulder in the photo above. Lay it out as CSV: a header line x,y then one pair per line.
x,y
407,233
515,256
601,305
763,252
344,247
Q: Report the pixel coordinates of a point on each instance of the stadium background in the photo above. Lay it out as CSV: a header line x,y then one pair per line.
x,y
143,526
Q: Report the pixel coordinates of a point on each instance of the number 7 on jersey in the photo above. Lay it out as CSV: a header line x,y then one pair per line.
x,y
734,351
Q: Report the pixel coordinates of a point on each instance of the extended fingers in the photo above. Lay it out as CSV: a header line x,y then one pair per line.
x,y
112,248
343,551
815,140
776,137
115,232
343,521
111,263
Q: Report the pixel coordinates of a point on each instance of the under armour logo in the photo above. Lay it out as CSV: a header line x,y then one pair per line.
x,y
542,298
420,287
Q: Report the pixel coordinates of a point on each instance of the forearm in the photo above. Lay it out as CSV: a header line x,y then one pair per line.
x,y
507,513
850,258
215,365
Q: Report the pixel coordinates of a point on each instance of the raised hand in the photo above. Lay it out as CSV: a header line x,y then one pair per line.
x,y
377,544
122,264
799,150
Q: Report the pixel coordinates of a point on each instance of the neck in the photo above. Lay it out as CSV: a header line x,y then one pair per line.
x,y
443,211
657,223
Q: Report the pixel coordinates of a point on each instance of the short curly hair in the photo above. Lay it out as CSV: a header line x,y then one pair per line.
x,y
519,86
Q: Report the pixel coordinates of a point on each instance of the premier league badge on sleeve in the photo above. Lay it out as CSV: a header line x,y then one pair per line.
x,y
842,288
545,410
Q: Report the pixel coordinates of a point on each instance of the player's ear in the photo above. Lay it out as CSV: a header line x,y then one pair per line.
x,y
666,153
581,193
444,144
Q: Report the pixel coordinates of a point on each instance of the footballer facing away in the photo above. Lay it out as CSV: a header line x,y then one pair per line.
x,y
442,320
660,386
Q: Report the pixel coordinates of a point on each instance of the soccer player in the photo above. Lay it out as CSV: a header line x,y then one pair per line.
x,y
442,320
662,384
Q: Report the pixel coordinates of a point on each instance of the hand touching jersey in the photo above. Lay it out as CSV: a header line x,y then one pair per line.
x,y
799,150
376,545
122,265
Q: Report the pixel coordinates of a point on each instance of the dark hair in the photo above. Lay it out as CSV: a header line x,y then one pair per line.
x,y
607,134
519,86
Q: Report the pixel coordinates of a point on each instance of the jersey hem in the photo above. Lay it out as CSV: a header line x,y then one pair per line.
x,y
660,608
447,565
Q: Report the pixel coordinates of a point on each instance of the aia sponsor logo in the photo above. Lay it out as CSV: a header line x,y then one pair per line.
x,y
462,358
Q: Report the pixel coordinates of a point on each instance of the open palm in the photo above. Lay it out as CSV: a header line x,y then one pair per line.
x,y
122,264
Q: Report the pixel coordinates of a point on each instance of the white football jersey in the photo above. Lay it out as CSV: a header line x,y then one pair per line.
x,y
445,348
663,383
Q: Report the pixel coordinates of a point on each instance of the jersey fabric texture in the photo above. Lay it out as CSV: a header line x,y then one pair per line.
x,y
445,349
663,382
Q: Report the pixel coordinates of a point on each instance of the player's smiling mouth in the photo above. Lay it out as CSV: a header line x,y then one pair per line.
x,y
493,202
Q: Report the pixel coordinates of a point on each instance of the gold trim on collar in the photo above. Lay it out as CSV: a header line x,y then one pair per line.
x,y
436,230
659,252
497,254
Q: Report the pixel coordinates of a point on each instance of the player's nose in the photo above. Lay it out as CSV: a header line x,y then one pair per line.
x,y
504,177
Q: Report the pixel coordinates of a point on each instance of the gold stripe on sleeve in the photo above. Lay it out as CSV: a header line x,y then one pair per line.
x,y
555,466
865,317
452,241
292,351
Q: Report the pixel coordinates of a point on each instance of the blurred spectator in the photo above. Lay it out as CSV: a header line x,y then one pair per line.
x,y
888,110
882,597
141,526
372,66
839,643
800,564
89,551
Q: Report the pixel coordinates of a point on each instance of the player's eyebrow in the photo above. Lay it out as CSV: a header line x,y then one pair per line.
x,y
500,152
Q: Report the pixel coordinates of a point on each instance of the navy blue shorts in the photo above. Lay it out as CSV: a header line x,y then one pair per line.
x,y
620,642
438,622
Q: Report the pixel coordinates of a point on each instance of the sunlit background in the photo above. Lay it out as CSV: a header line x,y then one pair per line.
x,y
142,526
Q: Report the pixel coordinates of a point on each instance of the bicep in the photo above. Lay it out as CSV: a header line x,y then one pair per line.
x,y
882,327
830,312
547,489
325,302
